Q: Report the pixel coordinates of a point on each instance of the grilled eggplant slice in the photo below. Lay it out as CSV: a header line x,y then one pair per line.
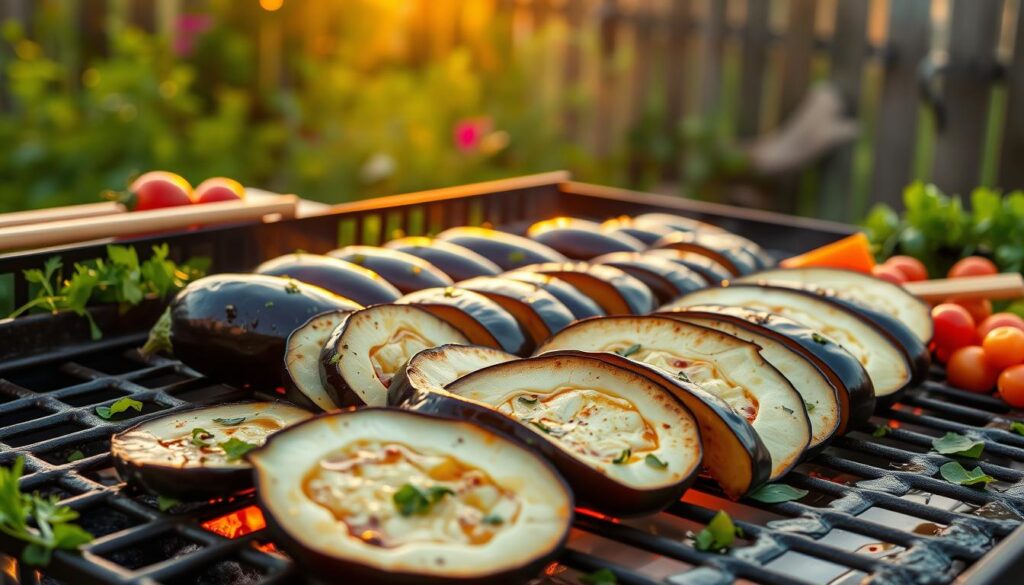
x,y
458,262
384,496
432,369
712,271
179,455
868,290
302,383
846,374
508,251
405,271
666,279
718,246
818,393
724,365
343,278
616,292
364,352
881,355
623,442
675,222
581,239
648,234
538,312
580,305
479,318
233,327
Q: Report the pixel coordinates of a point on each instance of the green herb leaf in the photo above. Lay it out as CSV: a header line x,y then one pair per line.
x,y
236,448
881,431
953,472
540,426
809,406
493,520
718,535
230,421
1017,427
334,359
599,577
682,376
629,350
165,503
292,288
774,493
268,304
75,456
623,457
654,462
819,338
107,412
516,257
199,435
528,399
410,500
954,444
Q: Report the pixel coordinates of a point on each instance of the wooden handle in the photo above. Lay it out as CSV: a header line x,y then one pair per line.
x,y
1008,285
137,222
59,213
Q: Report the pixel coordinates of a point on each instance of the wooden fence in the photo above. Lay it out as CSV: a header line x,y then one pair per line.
x,y
937,86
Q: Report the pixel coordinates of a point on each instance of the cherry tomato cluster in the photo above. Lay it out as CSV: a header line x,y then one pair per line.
x,y
160,189
901,269
980,356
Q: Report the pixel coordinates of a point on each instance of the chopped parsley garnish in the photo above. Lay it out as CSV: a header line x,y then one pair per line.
x,y
787,410
516,257
682,376
493,520
165,503
881,431
1017,427
629,350
819,338
809,406
292,288
230,421
718,535
623,457
599,577
654,462
75,456
540,426
411,500
236,448
334,359
528,399
450,292
106,412
268,304
199,436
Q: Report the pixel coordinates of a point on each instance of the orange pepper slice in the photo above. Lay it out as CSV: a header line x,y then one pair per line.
x,y
852,253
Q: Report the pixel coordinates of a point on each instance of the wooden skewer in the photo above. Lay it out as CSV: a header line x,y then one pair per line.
x,y
138,222
59,213
1009,285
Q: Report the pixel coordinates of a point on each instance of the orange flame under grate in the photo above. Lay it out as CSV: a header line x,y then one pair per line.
x,y
237,523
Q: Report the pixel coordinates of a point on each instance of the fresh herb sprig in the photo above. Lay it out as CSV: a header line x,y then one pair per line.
x,y
410,500
42,524
236,448
107,412
718,535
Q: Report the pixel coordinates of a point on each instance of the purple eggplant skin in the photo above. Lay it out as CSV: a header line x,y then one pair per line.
x,y
233,328
479,318
508,251
458,262
338,276
326,565
666,279
735,258
712,271
580,305
580,239
406,272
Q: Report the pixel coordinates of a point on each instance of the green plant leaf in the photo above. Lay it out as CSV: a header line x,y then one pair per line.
x,y
199,436
230,421
623,457
774,493
107,412
881,431
1017,427
165,503
953,472
718,535
654,462
629,350
410,500
599,577
236,448
954,444
75,456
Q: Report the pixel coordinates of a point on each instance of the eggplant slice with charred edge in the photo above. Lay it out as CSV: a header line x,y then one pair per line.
x,y
432,369
349,280
580,239
624,443
302,383
716,246
482,320
179,455
458,262
711,270
406,272
824,409
538,312
666,279
675,222
648,234
384,496
508,251
580,305
616,292
365,351
884,358
855,392
725,366
866,289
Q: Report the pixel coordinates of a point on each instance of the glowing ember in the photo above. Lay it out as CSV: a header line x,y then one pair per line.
x,y
238,523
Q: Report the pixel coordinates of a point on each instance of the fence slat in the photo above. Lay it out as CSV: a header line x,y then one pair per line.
x,y
974,30
849,46
754,63
907,39
675,82
1011,168
799,47
712,42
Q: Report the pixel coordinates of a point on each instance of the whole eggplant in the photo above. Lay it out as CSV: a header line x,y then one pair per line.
x,y
233,327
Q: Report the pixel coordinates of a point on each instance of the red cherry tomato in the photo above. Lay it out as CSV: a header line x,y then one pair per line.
x,y
968,370
980,309
1011,386
889,273
954,327
156,190
973,266
1004,347
219,189
999,320
911,267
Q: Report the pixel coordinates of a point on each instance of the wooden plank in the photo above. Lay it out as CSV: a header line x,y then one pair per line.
x,y
849,46
1011,168
675,79
756,43
974,30
575,10
711,46
799,47
605,104
896,137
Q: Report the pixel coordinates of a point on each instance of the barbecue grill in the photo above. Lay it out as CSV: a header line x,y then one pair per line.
x,y
876,508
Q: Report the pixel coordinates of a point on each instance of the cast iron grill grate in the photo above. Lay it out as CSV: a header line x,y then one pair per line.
x,y
876,506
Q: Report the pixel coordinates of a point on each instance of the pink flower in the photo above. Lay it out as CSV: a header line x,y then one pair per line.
x,y
188,28
469,132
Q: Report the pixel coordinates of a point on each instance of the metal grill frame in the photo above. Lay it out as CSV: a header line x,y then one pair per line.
x,y
58,346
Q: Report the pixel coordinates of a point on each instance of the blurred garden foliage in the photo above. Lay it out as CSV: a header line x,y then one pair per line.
x,y
356,113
